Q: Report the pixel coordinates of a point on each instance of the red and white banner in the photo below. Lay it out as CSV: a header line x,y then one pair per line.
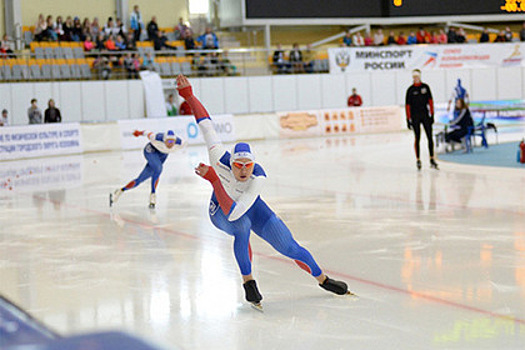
x,y
387,58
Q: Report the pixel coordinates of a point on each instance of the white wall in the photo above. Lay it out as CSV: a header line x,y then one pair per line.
x,y
113,100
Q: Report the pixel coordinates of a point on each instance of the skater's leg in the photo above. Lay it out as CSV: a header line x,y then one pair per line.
x,y
143,176
279,236
427,125
417,133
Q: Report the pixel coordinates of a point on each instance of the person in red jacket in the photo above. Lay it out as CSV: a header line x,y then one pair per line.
x,y
185,109
355,100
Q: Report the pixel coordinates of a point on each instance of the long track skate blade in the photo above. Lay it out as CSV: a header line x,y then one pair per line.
x,y
351,294
257,306
111,199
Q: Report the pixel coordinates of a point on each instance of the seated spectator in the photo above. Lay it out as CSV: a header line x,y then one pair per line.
x,y
34,113
161,42
5,46
68,28
148,62
522,32
86,28
39,32
152,29
108,28
120,29
4,121
296,59
309,57
88,44
508,34
501,37
189,43
368,39
52,114
171,106
131,68
358,39
347,39
412,39
391,40
401,39
76,33
442,37
185,108
95,28
461,36
58,27
451,35
100,43
460,124
354,100
180,29
209,40
120,44
130,42
379,38
51,35
484,37
278,60
110,44
225,64
103,67
422,36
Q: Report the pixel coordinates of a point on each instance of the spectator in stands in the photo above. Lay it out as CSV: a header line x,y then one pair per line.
x,y
433,38
309,57
401,39
52,114
34,113
484,37
40,28
148,62
88,43
278,59
120,28
508,34
368,39
358,39
68,28
152,29
422,36
130,42
86,27
461,122
185,108
296,59
171,106
5,46
189,43
391,40
4,121
103,67
58,27
110,44
354,100
522,32
451,35
379,38
136,23
120,44
209,40
50,31
161,42
180,29
108,28
225,64
461,36
95,28
501,37
347,39
442,37
77,32
412,39
100,44
129,65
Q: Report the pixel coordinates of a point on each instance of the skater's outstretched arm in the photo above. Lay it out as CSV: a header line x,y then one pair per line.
x,y
158,140
215,148
225,201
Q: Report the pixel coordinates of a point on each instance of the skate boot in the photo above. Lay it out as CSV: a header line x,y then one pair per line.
x,y
252,294
152,201
113,197
433,164
337,287
418,164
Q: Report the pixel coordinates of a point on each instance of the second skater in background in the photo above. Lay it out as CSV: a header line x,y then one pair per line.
x,y
156,152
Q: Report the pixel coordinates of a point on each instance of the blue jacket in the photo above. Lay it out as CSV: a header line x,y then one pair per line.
x,y
202,40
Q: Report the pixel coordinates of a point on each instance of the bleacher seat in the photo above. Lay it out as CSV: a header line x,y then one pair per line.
x,y
165,68
175,68
55,70
186,68
39,52
20,70
78,52
75,70
34,70
85,71
6,72
49,52
65,70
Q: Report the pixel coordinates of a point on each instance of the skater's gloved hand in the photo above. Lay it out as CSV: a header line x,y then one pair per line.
x,y
184,87
138,133
409,124
432,119
206,172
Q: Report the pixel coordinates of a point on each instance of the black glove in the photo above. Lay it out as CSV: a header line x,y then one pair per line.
x,y
432,119
409,124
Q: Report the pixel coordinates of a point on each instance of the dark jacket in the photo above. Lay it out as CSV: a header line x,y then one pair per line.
x,y
52,115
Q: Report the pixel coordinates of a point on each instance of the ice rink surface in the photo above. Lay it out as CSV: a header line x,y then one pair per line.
x,y
437,257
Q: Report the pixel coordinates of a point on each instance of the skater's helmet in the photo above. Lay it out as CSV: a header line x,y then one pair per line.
x,y
169,135
242,150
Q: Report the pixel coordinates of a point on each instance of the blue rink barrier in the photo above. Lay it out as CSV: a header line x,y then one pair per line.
x,y
20,331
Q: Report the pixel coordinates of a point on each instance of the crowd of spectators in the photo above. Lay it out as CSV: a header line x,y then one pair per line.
x,y
297,61
422,36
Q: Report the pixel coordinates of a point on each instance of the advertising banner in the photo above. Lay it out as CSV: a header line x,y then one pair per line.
x,y
40,140
184,127
391,58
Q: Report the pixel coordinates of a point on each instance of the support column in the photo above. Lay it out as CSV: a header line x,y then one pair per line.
x,y
267,38
13,20
123,11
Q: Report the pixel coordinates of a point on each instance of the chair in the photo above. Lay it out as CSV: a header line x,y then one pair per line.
x,y
59,52
34,70
55,71
39,52
165,68
85,71
186,68
175,68
28,37
78,52
65,71
6,70
476,130
49,53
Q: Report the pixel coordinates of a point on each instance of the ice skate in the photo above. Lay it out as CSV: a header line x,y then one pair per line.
x,y
433,164
252,295
152,201
418,164
113,197
336,287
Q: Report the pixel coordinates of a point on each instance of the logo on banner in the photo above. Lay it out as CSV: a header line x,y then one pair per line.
x,y
342,59
514,59
432,60
192,130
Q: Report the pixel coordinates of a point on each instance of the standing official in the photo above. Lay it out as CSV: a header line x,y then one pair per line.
x,y
420,110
